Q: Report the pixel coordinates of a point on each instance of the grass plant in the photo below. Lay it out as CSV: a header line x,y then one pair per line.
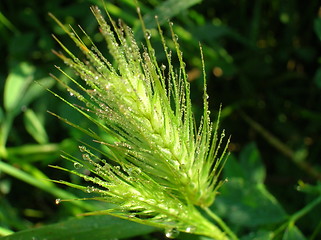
x,y
164,170
145,156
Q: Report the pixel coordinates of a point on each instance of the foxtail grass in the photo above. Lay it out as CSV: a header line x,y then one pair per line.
x,y
156,166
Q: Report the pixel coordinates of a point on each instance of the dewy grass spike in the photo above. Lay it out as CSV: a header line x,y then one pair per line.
x,y
163,170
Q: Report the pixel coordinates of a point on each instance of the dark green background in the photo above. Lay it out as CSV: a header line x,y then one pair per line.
x,y
263,63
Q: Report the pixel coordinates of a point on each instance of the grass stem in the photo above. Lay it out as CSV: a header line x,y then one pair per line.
x,y
221,223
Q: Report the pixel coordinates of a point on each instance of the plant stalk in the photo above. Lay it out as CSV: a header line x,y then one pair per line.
x,y
221,223
299,214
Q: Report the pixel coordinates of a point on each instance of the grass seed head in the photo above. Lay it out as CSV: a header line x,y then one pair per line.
x,y
162,166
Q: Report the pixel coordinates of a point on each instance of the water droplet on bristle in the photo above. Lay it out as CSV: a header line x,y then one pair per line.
x,y
86,157
148,34
134,171
190,229
82,148
77,165
57,201
107,86
171,233
163,67
90,189
222,134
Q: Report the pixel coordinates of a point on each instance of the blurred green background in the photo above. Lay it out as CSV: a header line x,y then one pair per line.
x,y
263,63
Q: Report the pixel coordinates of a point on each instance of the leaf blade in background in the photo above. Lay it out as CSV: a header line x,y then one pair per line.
x,y
35,127
16,84
251,162
248,205
249,167
317,77
244,199
259,235
92,227
36,89
168,10
6,22
164,11
317,27
293,233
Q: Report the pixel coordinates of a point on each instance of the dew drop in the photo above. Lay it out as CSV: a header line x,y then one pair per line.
x,y
134,171
190,229
90,189
148,34
82,149
86,178
129,90
171,233
108,85
77,165
57,201
163,67
182,167
86,157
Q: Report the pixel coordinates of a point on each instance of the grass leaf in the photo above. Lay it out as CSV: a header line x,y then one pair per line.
x,y
35,127
16,84
93,227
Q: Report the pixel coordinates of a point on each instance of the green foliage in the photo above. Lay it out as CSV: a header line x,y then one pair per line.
x,y
94,227
16,84
292,232
244,199
262,61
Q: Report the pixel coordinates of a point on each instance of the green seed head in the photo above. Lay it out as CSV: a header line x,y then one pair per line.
x,y
162,166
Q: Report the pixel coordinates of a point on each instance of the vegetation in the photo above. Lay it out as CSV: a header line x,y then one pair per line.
x,y
261,63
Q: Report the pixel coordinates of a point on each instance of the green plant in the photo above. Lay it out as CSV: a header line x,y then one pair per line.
x,y
262,62
164,172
